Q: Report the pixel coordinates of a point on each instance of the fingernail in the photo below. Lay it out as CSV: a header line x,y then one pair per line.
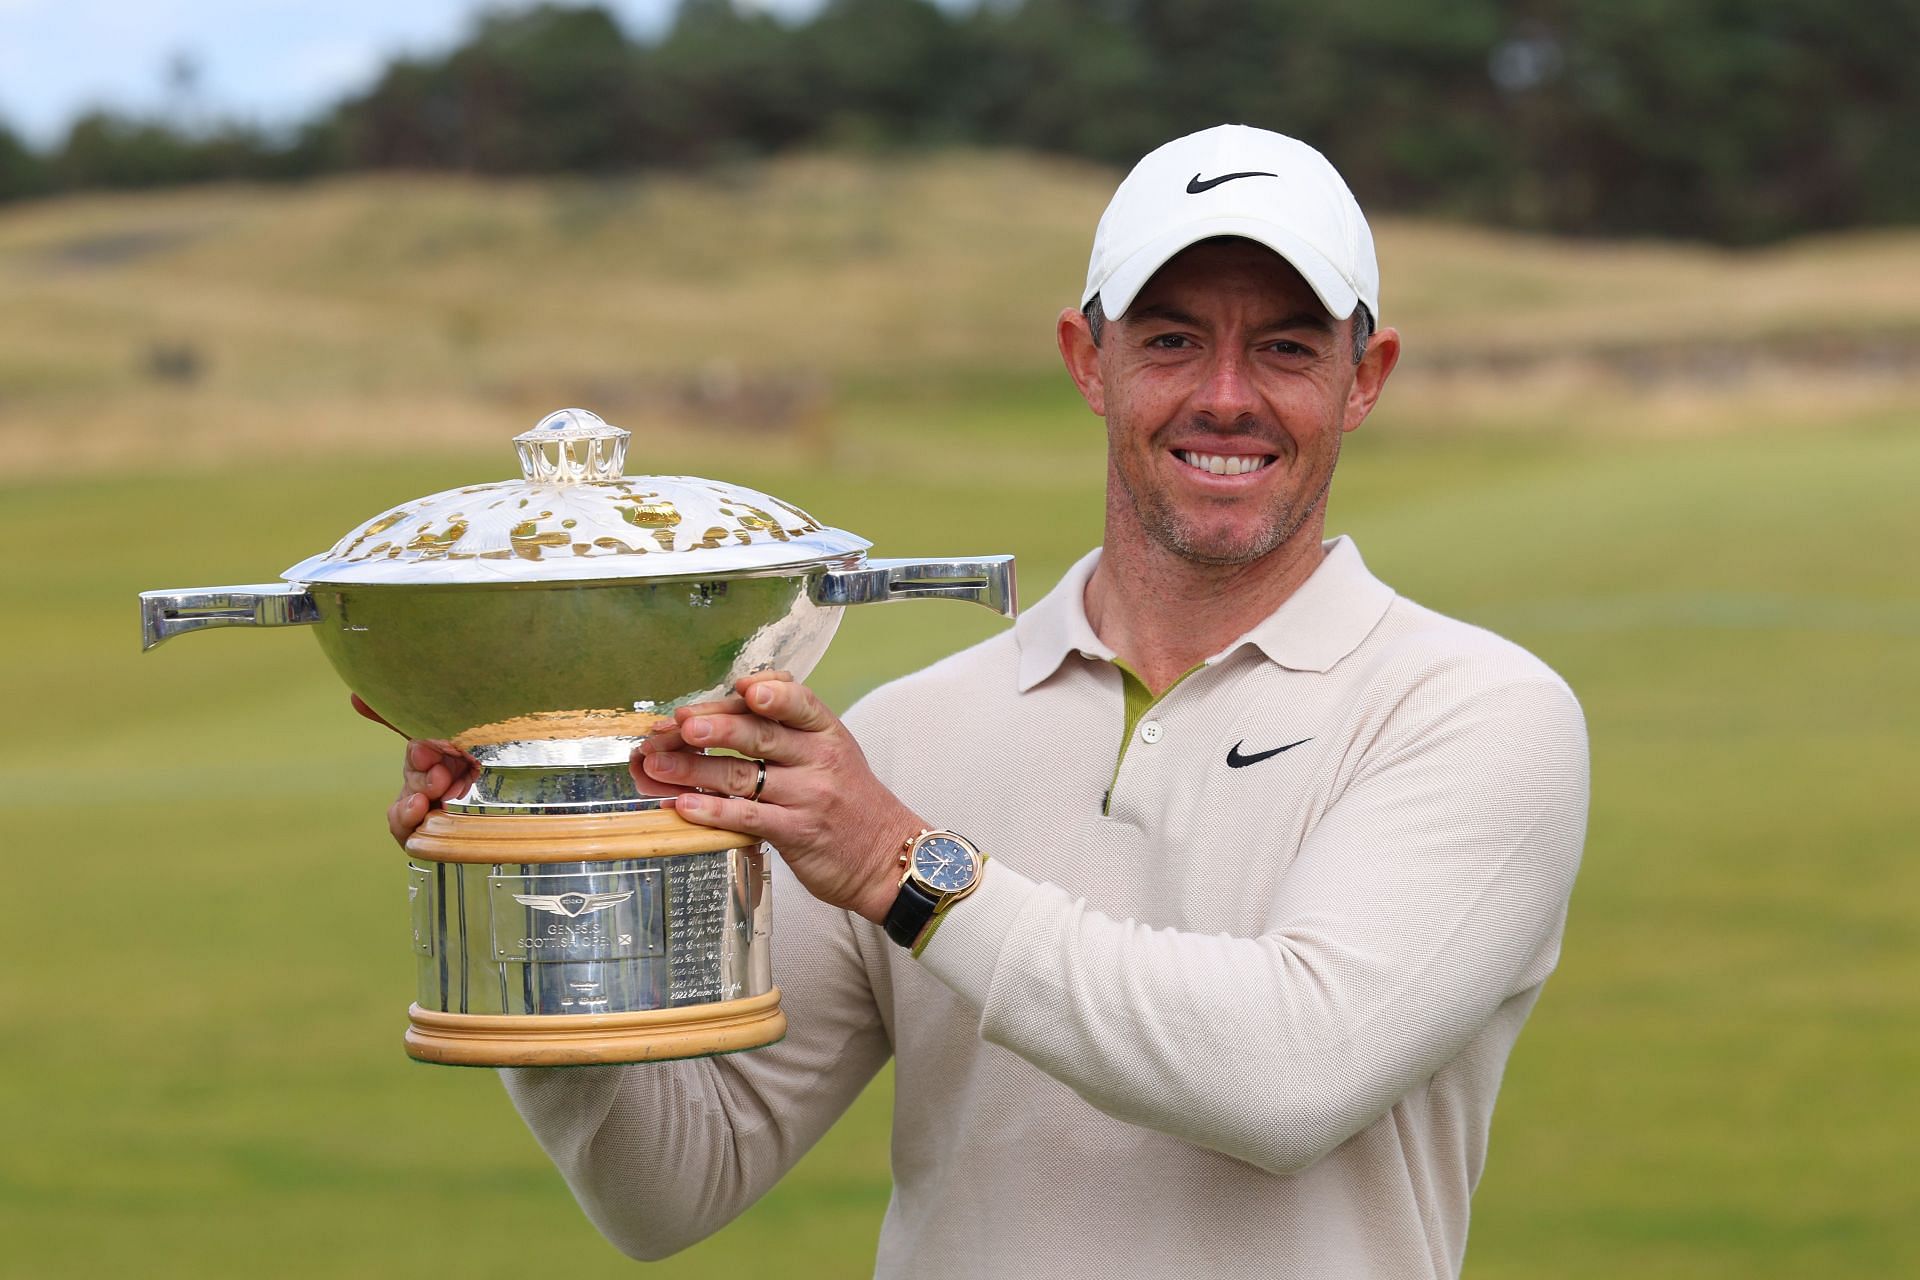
x,y
663,764
761,696
698,727
690,803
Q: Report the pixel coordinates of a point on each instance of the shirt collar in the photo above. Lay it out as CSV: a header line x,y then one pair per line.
x,y
1057,626
1312,630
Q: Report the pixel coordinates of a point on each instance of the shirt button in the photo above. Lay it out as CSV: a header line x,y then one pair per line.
x,y
1150,732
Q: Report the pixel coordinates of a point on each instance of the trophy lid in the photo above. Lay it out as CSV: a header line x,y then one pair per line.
x,y
575,515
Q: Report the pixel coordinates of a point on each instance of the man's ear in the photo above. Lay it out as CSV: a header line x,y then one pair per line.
x,y
1370,378
1082,358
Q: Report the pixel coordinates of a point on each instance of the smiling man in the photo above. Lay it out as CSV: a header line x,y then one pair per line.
x,y
1201,910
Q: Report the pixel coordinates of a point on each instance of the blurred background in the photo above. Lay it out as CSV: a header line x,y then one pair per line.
x,y
266,269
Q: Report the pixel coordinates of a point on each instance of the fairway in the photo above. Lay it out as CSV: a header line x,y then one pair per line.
x,y
204,1074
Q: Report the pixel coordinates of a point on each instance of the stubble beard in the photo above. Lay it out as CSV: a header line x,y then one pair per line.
x,y
1167,527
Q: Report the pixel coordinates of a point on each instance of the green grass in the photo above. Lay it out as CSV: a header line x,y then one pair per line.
x,y
207,977
204,1012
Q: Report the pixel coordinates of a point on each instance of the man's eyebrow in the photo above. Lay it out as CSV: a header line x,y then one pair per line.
x,y
1161,311
1318,321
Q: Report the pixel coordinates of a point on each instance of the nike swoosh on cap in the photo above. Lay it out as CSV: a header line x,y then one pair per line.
x,y
1195,186
1237,761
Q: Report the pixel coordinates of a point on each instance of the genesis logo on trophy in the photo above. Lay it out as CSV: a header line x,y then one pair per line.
x,y
571,905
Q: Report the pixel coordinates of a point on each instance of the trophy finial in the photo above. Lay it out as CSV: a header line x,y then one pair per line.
x,y
572,445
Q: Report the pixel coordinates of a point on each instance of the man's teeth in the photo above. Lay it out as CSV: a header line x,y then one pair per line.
x,y
1227,464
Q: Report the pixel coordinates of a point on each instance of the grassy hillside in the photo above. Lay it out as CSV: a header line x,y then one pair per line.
x,y
771,301
203,1072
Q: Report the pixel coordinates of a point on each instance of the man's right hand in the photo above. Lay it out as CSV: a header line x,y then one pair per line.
x,y
430,773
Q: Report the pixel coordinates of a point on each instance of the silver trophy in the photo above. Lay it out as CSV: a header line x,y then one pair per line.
x,y
543,626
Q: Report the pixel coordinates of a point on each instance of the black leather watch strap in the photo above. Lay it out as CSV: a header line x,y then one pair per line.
x,y
910,913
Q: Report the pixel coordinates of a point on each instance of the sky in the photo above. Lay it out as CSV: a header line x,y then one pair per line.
x,y
268,62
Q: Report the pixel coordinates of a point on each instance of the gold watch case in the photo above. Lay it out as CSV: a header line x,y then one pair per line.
x,y
935,884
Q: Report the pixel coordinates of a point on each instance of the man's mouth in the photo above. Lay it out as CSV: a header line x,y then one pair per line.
x,y
1225,464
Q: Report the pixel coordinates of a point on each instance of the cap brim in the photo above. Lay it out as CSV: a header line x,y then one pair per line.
x,y
1125,281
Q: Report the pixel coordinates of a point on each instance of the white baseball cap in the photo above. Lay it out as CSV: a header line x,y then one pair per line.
x,y
1235,180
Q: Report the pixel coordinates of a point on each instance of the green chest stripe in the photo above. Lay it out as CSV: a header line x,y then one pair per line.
x,y
1137,700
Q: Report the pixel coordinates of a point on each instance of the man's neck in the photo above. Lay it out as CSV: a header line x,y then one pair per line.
x,y
1163,614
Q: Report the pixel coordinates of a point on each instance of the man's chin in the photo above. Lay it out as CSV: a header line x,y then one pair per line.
x,y
1216,549
1220,542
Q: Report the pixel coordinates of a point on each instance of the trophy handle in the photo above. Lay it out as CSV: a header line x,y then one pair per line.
x,y
983,580
164,614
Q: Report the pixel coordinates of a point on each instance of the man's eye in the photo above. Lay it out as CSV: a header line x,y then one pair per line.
x,y
1288,348
1168,341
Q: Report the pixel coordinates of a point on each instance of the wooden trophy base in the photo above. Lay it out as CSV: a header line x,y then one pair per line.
x,y
578,1040
566,1039
586,837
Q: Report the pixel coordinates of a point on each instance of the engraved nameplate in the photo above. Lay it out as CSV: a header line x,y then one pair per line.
x,y
420,902
576,916
699,887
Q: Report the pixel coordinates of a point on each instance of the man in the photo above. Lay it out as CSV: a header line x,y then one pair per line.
x,y
1276,861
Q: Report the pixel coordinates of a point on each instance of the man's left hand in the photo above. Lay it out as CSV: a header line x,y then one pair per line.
x,y
822,808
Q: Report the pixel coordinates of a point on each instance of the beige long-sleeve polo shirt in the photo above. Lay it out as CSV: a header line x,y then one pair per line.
x,y
1215,1008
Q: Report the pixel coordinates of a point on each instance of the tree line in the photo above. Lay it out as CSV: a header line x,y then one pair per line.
x,y
1731,120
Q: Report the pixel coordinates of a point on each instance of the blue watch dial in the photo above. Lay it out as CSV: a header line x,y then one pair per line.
x,y
944,864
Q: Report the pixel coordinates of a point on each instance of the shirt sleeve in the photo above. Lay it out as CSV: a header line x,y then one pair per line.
x,y
661,1155
1432,891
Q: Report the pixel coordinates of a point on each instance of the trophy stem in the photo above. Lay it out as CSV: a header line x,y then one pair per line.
x,y
501,789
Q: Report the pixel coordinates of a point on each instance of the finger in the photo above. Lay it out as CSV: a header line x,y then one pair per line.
x,y
669,737
727,775
730,813
443,779
404,815
453,753
791,704
647,785
661,740
666,736
732,704
462,771
437,769
422,756
360,705
750,735
429,782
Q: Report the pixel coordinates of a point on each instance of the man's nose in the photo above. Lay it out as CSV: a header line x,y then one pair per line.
x,y
1226,392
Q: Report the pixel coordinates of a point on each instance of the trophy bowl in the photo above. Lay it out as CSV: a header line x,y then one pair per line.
x,y
543,626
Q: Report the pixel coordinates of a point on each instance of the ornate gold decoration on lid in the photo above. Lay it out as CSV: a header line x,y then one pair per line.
x,y
575,515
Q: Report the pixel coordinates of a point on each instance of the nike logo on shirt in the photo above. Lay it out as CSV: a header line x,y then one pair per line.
x,y
1237,761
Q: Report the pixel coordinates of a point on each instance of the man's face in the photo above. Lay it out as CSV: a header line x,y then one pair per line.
x,y
1226,389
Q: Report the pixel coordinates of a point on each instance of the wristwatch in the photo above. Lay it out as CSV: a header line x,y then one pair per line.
x,y
941,868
